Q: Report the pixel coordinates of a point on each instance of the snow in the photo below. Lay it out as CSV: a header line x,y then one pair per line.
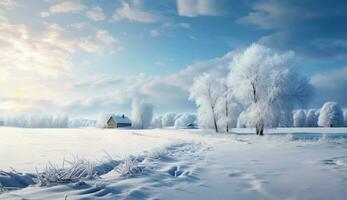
x,y
286,163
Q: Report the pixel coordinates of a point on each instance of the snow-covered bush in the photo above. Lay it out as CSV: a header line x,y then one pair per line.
x,y
157,122
37,120
299,118
186,121
311,118
142,113
261,79
168,119
331,115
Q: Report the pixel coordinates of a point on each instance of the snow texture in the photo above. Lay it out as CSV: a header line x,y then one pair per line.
x,y
185,164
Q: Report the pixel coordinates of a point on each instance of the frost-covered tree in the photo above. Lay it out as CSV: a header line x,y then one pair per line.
x,y
331,115
311,118
345,117
227,107
206,92
142,113
168,119
157,122
299,118
261,79
185,121
102,120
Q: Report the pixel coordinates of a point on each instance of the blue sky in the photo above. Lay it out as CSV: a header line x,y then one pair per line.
x,y
84,57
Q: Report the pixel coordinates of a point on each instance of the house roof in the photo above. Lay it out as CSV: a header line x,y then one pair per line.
x,y
121,119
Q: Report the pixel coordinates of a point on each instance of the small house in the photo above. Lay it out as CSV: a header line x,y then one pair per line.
x,y
117,121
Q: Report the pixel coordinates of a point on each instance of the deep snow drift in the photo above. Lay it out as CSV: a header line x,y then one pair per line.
x,y
300,163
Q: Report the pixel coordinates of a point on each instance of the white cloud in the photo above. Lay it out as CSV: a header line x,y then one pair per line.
x,y
35,52
67,7
96,14
166,27
330,86
193,8
36,65
168,93
134,14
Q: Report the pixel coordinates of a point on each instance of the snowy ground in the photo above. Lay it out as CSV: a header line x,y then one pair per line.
x,y
179,164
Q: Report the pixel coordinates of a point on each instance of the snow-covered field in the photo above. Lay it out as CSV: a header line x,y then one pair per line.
x,y
300,163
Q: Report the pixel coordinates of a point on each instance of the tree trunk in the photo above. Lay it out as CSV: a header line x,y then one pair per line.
x,y
259,129
215,124
227,115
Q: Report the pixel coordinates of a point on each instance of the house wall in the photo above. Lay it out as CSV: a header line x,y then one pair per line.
x,y
111,124
123,125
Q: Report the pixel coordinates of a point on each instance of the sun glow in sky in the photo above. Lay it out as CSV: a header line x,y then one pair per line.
x,y
84,57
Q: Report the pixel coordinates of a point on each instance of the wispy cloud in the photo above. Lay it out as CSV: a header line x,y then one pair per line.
x,y
194,8
96,14
67,7
135,14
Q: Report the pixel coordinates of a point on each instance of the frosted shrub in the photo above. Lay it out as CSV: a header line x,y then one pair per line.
x,y
299,118
129,167
156,122
312,118
331,115
168,119
186,121
77,170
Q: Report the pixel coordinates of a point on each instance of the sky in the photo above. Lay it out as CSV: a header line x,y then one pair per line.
x,y
85,57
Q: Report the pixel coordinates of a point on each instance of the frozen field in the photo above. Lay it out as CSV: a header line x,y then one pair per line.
x,y
178,164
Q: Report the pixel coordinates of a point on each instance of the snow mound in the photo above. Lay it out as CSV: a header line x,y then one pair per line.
x,y
14,180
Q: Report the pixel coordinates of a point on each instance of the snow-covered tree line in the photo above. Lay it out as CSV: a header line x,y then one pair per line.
x,y
45,121
330,115
170,119
36,120
261,90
